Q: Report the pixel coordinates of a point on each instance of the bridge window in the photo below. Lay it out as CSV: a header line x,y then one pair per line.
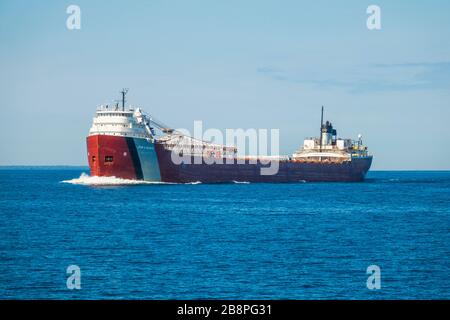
x,y
109,158
93,158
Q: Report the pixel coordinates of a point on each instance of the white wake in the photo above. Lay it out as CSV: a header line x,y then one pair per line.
x,y
87,180
195,182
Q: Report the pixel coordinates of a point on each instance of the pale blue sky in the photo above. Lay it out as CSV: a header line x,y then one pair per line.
x,y
232,64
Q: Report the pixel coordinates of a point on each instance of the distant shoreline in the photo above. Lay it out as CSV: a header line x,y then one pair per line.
x,y
43,167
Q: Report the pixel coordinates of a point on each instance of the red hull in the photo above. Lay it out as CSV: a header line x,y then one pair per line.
x,y
288,171
119,157
112,156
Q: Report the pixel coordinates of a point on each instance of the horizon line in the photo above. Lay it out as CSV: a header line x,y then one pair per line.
x,y
87,167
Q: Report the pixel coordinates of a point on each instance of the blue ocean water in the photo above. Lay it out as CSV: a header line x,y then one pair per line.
x,y
229,241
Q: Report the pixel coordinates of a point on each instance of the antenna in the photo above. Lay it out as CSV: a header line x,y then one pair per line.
x,y
321,125
123,92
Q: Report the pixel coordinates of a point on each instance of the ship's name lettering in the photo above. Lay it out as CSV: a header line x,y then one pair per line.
x,y
145,148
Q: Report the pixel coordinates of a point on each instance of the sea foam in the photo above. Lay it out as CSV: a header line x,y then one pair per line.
x,y
87,180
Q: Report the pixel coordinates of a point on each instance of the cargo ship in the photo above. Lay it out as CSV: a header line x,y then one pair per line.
x,y
130,144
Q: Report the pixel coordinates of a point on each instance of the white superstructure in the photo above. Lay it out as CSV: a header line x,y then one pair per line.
x,y
125,123
328,147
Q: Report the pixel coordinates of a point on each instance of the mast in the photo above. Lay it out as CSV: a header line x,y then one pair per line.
x,y
321,125
123,92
